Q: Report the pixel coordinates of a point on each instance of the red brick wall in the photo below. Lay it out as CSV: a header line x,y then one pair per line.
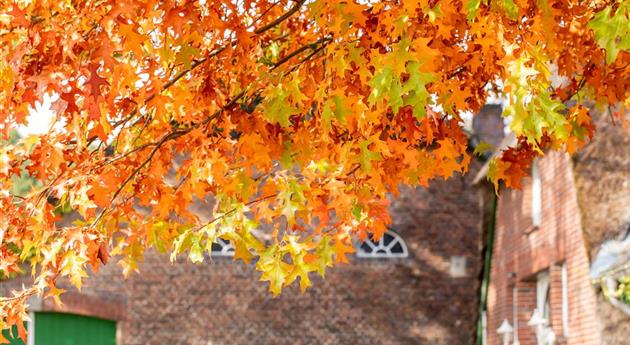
x,y
602,178
521,251
402,301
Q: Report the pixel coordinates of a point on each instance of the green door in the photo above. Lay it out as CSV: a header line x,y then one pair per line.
x,y
71,329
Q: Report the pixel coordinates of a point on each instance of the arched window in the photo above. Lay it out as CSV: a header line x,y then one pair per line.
x,y
221,247
391,245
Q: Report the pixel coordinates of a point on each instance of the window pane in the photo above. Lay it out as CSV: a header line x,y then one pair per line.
x,y
216,247
391,245
397,248
387,239
366,247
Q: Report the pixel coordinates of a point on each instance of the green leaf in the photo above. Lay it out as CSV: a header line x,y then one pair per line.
x,y
327,115
612,33
510,8
293,200
186,55
300,270
275,274
356,211
196,252
366,156
181,243
472,7
340,112
156,234
386,83
287,159
395,96
417,94
325,253
273,269
277,109
544,113
482,148
540,115
380,83
492,174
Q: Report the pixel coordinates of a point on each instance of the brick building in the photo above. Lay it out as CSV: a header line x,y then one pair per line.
x,y
422,289
421,285
428,297
539,259
545,239
602,180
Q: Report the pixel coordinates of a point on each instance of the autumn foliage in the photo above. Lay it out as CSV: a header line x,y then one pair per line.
x,y
296,120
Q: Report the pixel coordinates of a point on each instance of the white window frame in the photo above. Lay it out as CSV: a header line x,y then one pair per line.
x,y
565,300
30,328
380,246
543,304
536,194
542,294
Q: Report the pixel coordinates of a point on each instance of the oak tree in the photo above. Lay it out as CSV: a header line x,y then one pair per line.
x,y
297,119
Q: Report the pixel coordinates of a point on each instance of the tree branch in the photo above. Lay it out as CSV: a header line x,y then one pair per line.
x,y
266,11
313,46
199,62
296,7
223,215
162,141
179,133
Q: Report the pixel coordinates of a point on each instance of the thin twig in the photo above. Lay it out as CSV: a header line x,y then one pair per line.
x,y
223,215
612,117
287,14
306,58
164,139
313,46
265,12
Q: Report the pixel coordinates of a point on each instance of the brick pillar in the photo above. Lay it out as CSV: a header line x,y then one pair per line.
x,y
526,305
555,299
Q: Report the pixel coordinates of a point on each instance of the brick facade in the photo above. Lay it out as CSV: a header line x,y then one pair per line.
x,y
421,299
602,179
523,250
415,300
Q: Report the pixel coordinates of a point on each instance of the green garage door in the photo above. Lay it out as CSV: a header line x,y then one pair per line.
x,y
71,329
